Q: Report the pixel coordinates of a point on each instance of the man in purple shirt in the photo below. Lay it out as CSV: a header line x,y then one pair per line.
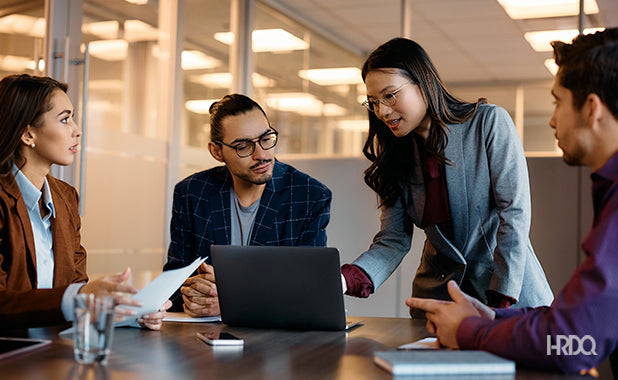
x,y
579,330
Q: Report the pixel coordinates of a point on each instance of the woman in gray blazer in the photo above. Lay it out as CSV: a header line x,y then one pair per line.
x,y
456,170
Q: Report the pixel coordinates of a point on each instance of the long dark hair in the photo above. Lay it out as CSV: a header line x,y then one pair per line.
x,y
23,100
391,156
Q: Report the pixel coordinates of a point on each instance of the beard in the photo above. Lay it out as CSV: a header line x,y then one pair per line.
x,y
258,179
573,158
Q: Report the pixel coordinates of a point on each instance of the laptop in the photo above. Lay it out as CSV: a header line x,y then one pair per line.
x,y
279,287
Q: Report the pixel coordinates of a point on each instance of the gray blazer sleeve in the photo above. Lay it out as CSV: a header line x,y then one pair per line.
x,y
390,245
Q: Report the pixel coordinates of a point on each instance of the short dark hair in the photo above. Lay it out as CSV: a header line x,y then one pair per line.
x,y
229,105
23,100
589,65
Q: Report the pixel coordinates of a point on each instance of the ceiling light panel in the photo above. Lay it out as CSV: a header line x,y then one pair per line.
x,y
200,106
298,102
195,59
525,9
109,50
22,24
268,40
540,41
551,66
334,76
224,80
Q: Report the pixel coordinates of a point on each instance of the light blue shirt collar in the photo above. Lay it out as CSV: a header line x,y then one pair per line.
x,y
31,194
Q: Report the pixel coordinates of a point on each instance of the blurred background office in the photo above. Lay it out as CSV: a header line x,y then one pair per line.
x,y
143,73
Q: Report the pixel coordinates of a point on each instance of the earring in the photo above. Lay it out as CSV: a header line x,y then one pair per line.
x,y
32,145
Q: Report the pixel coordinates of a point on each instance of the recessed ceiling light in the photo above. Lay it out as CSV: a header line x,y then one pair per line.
x,y
551,66
298,102
102,29
224,80
109,50
334,76
540,41
522,9
15,63
22,24
200,106
133,30
195,59
268,40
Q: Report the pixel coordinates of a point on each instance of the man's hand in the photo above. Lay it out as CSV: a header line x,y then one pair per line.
x,y
199,293
153,321
444,317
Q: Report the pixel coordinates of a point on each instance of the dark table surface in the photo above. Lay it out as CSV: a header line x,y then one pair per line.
x,y
175,352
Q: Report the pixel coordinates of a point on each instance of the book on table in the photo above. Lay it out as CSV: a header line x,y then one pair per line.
x,y
442,362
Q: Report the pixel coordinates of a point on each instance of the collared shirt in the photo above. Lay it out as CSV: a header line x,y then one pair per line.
x,y
41,226
584,308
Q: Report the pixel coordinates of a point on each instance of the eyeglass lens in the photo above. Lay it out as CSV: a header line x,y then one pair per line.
x,y
246,148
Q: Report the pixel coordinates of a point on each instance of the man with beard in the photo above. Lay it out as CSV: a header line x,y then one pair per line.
x,y
578,331
252,200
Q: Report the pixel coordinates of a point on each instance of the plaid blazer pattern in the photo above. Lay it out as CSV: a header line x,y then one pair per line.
x,y
294,211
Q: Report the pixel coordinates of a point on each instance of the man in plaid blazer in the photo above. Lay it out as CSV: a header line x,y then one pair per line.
x,y
252,200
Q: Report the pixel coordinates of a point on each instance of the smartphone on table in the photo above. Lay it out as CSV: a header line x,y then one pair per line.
x,y
220,339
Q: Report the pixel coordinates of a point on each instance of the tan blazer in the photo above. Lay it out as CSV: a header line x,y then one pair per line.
x,y
21,303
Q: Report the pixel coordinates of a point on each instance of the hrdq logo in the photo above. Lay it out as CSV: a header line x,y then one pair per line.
x,y
572,345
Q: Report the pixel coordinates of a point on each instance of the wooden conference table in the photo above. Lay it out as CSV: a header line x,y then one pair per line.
x,y
176,353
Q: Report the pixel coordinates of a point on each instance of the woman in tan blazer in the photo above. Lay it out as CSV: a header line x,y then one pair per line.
x,y
41,255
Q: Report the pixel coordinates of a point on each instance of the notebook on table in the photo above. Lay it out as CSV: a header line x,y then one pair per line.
x,y
15,346
279,287
443,362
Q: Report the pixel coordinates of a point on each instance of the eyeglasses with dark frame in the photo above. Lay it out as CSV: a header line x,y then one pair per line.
x,y
245,148
388,100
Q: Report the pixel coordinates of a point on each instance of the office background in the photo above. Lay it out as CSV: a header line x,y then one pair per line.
x,y
142,77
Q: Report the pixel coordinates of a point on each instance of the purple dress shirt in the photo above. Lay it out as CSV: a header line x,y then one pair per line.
x,y
580,329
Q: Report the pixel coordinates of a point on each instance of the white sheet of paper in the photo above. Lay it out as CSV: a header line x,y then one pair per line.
x,y
160,290
183,317
429,343
156,293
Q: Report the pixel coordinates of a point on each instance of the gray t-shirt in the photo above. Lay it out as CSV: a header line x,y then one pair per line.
x,y
242,219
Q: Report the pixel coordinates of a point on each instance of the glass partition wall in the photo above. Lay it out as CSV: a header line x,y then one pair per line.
x,y
312,93
22,34
309,87
126,148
